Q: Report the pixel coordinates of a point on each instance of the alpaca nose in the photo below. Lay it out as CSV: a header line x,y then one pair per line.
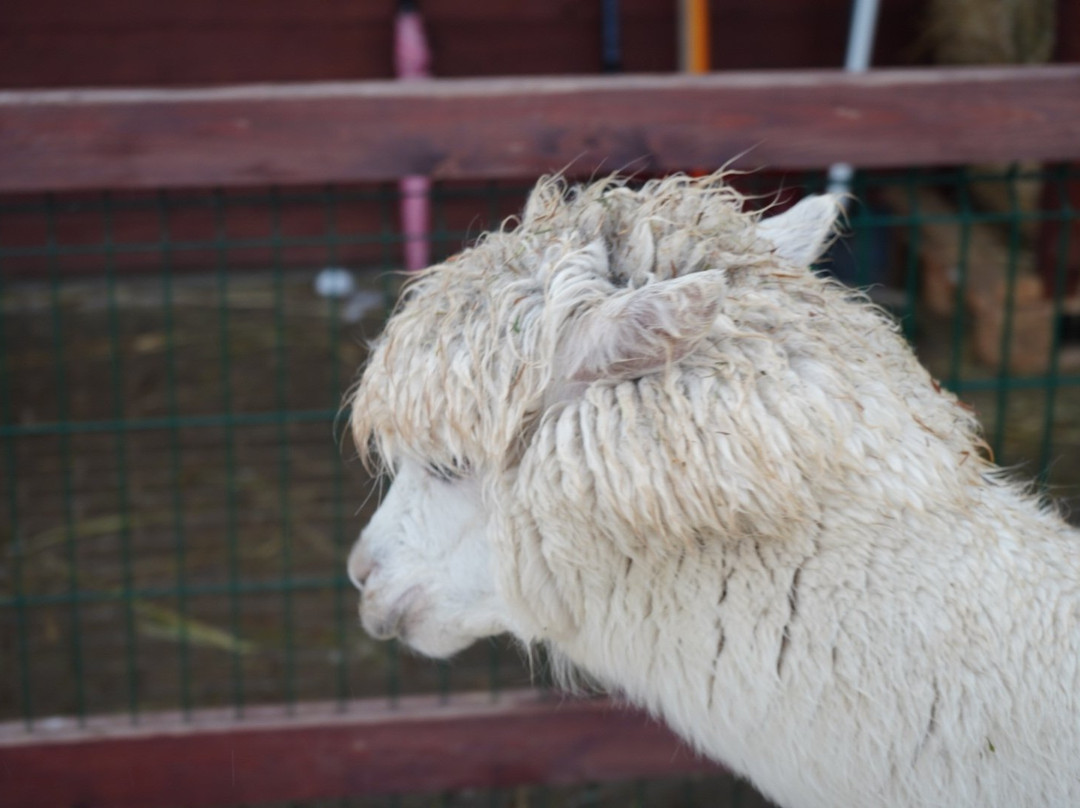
x,y
360,566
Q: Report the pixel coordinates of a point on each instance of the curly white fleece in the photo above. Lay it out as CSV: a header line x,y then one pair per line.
x,y
723,486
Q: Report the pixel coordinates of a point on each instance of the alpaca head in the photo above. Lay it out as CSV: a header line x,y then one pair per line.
x,y
597,286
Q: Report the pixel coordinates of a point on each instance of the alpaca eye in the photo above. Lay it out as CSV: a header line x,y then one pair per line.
x,y
447,473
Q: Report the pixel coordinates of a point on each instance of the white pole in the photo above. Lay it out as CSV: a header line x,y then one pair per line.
x,y
859,50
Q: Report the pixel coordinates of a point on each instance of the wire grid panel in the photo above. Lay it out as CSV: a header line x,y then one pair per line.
x,y
677,793
178,496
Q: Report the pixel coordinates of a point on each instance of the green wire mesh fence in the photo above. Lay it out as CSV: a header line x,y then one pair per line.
x,y
688,792
177,497
177,494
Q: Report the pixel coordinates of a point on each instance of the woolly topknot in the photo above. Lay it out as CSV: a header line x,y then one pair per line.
x,y
666,228
476,328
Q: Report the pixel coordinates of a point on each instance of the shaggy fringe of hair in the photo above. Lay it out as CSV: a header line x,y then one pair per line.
x,y
666,228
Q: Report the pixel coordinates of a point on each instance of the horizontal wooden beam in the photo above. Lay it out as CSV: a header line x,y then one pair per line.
x,y
351,132
211,758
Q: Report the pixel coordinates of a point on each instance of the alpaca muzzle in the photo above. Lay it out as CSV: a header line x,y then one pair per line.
x,y
388,622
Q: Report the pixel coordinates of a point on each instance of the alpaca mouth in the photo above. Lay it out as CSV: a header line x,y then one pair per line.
x,y
393,622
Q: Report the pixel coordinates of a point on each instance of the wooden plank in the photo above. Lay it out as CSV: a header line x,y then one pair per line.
x,y
322,752
65,56
64,43
364,131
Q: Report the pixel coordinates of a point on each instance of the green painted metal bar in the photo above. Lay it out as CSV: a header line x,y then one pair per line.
x,y
1001,409
281,372
63,405
479,191
911,269
959,306
229,419
179,533
1013,383
334,336
390,247
1053,380
862,229
11,463
116,377
203,590
156,247
204,200
221,246
442,235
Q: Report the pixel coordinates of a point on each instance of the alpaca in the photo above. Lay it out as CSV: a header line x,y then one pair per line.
x,y
639,431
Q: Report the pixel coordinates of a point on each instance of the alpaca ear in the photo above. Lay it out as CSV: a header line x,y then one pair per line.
x,y
637,331
802,233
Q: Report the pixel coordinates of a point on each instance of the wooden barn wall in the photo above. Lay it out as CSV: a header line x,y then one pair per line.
x,y
62,43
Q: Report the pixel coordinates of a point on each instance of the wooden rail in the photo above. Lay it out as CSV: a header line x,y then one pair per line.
x,y
348,132
213,759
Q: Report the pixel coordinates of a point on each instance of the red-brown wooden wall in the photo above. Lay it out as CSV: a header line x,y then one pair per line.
x,y
73,43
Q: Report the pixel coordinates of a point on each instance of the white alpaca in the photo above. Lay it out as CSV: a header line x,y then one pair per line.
x,y
639,430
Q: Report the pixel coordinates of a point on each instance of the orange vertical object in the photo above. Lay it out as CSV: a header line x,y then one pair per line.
x,y
694,56
694,52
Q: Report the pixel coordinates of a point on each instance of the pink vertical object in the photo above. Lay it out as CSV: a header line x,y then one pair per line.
x,y
412,60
